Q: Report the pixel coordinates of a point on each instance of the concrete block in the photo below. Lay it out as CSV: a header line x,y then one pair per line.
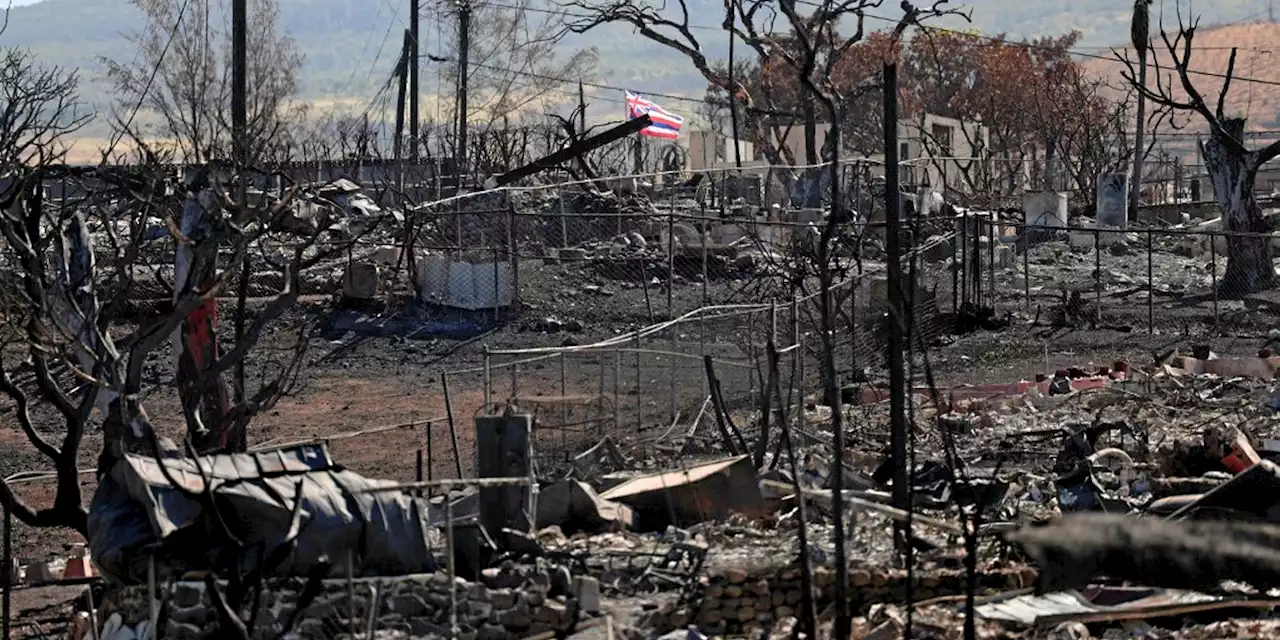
x,y
587,591
1112,200
727,234
807,216
361,281
1108,236
1006,257
571,254
1082,240
1045,208
879,290
39,573
685,234
386,255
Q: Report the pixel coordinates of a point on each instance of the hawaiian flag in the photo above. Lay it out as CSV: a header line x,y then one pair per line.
x,y
666,125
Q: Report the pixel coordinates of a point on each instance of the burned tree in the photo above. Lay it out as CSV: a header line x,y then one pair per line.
x,y
1232,166
182,78
42,110
86,314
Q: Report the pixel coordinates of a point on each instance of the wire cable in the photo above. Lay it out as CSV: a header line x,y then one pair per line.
x,y
155,71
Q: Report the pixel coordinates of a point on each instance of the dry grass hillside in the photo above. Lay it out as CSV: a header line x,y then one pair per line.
x,y
1258,57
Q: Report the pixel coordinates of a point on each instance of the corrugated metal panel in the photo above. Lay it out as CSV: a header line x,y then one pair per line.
x,y
1026,609
669,479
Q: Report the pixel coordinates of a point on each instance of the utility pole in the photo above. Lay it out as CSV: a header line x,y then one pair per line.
x,y
239,86
582,111
733,98
464,47
403,75
414,63
1138,32
240,151
897,314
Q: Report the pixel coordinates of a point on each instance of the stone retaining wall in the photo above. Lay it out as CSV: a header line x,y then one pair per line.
x,y
409,606
735,601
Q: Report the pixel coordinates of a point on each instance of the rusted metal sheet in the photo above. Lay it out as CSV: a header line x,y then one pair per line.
x,y
1101,603
709,491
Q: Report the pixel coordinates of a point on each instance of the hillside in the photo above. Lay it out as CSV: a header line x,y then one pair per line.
x,y
337,35
1211,53
1257,58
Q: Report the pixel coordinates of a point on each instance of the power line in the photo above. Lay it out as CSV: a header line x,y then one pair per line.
x,y
562,80
376,56
1006,41
133,113
1032,45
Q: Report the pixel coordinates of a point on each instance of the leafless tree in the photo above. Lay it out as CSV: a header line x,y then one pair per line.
x,y
514,60
1232,166
79,272
41,111
182,78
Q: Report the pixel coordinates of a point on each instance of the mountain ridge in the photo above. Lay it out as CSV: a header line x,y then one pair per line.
x,y
351,45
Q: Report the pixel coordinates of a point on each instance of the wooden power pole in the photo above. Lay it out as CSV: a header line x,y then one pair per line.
x,y
414,62
897,313
239,83
464,49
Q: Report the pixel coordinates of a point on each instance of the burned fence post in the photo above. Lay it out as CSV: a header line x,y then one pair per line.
x,y
962,258
1097,275
1026,267
598,414
733,446
10,576
1213,272
798,359
704,230
488,377
671,259
1151,287
673,331
513,253
639,389
564,393
991,259
453,430
617,389
564,229
497,296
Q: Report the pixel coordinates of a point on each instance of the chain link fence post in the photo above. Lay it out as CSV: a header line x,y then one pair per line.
x,y
1151,284
1213,269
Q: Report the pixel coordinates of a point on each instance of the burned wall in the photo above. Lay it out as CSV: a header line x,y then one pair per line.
x,y
737,601
409,606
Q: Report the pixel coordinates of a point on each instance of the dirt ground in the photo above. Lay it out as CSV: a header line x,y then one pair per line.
x,y
361,389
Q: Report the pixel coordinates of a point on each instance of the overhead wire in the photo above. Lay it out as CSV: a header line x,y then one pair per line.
x,y
1076,51
146,90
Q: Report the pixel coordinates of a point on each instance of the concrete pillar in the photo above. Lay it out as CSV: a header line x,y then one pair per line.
x,y
503,451
1112,203
1045,209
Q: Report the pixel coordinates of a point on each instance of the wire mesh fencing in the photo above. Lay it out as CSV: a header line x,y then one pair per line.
x,y
1173,282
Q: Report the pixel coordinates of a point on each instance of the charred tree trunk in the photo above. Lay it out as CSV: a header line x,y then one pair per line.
x,y
1249,258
